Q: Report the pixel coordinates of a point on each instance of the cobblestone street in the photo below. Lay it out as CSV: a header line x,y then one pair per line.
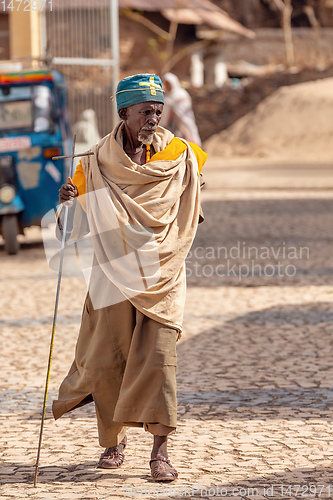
x,y
255,371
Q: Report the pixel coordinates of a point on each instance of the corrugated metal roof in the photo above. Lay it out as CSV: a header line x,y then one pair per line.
x,y
183,16
148,5
158,5
185,11
77,4
214,19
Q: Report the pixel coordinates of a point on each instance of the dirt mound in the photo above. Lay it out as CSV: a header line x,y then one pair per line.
x,y
295,122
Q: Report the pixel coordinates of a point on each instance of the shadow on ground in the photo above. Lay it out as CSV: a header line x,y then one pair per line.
x,y
274,363
295,483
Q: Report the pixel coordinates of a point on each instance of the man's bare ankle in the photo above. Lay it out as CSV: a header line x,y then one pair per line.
x,y
160,447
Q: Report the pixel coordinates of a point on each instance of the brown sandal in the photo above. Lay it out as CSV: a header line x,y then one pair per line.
x,y
113,457
162,470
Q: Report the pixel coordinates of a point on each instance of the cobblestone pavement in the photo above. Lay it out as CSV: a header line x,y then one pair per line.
x,y
255,374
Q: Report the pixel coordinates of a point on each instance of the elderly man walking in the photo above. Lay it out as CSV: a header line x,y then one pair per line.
x,y
139,198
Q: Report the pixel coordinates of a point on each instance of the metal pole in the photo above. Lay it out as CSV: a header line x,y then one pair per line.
x,y
114,34
43,35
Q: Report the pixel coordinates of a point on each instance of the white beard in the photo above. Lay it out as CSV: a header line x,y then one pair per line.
x,y
146,138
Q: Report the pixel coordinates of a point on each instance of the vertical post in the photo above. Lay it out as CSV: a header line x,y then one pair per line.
x,y
197,69
114,25
220,68
309,11
43,35
24,29
288,37
286,9
171,41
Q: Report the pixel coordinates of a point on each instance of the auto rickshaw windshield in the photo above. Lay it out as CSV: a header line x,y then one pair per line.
x,y
26,108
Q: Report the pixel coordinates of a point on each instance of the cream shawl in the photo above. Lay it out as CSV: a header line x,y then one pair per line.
x,y
143,219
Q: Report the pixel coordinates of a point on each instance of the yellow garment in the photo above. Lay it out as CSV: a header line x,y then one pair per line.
x,y
175,148
79,179
172,151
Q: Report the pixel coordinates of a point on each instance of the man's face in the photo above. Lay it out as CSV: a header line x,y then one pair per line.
x,y
142,119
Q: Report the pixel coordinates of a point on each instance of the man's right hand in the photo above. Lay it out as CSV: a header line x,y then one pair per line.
x,y
68,192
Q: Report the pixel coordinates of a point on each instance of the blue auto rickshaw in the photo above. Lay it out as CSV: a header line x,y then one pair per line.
x,y
34,127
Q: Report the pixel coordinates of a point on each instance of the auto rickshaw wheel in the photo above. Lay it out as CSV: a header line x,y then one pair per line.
x,y
9,233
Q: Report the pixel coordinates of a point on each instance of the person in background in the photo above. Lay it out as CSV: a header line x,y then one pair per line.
x,y
178,116
86,129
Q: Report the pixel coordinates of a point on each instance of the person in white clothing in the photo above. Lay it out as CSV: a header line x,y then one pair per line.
x,y
178,116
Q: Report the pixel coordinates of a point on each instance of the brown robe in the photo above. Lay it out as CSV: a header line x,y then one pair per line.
x,y
126,363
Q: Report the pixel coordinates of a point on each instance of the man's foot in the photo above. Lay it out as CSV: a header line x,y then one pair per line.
x,y
113,457
162,470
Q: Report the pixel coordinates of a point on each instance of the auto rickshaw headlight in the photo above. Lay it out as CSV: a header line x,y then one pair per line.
x,y
7,194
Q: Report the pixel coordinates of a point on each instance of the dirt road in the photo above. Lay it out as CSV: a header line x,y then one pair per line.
x,y
255,372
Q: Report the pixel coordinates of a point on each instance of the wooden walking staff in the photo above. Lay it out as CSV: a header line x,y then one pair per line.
x,y
72,156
